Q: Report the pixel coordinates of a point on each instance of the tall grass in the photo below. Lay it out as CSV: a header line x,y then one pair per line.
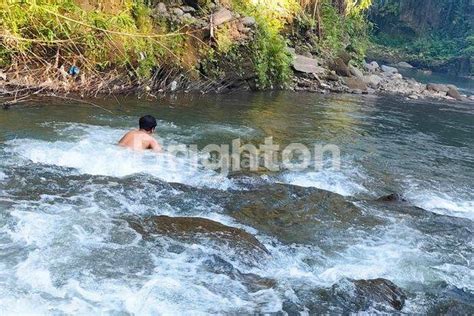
x,y
47,34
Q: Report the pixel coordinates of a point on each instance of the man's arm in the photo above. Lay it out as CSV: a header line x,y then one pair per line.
x,y
155,146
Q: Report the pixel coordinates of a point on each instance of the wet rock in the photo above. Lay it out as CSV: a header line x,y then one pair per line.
x,y
413,97
340,67
372,66
252,282
404,64
355,83
248,21
452,308
437,87
222,16
356,72
388,69
394,197
296,214
454,301
372,80
307,65
454,93
360,295
198,230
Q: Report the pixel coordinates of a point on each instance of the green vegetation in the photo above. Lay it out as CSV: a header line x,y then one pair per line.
x,y
127,38
277,19
269,49
436,32
39,33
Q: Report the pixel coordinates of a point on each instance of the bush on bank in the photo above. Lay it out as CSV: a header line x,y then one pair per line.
x,y
126,37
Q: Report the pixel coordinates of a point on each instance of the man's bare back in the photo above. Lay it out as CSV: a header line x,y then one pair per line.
x,y
141,139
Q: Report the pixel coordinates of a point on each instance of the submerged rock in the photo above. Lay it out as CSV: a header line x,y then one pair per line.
x,y
198,230
252,282
360,295
394,197
296,214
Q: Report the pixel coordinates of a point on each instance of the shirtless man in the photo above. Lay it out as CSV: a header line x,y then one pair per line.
x,y
141,139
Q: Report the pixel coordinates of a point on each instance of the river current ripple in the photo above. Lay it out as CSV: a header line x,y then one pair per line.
x,y
68,194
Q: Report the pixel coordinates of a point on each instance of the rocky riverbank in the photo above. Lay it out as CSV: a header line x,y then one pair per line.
x,y
341,76
220,51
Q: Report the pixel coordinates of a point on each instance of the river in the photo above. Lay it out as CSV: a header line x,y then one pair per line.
x,y
67,194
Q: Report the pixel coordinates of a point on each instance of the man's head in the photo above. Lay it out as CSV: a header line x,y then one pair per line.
x,y
147,123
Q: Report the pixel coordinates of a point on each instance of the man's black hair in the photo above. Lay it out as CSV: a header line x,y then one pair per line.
x,y
147,123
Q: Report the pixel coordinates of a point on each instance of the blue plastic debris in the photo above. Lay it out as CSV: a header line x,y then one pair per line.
x,y
73,71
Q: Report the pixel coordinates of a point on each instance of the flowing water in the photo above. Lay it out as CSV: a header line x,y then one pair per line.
x,y
67,193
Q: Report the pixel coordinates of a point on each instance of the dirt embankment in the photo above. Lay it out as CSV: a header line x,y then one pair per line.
x,y
204,64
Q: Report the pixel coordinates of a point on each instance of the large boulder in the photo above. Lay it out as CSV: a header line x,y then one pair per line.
x,y
198,230
307,65
361,295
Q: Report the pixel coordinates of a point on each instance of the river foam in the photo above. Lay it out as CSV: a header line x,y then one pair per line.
x,y
445,200
93,150
342,182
